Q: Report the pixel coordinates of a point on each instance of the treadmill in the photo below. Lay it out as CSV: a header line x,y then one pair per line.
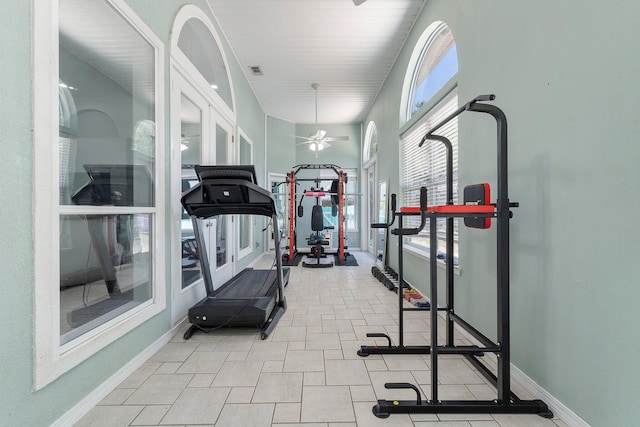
x,y
252,298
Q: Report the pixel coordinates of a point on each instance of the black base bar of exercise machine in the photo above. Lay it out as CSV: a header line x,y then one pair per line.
x,y
479,214
384,408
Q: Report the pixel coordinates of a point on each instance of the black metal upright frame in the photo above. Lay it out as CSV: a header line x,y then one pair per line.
x,y
449,347
506,401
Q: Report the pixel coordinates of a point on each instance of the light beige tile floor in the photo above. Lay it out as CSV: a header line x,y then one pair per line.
x,y
307,373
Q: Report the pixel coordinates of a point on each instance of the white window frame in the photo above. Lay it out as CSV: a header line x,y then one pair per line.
x,y
435,153
369,159
352,181
243,252
370,138
51,360
182,63
414,123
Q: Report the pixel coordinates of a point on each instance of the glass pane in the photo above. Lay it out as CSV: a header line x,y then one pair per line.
x,y
190,155
221,240
372,143
245,220
438,65
107,98
371,197
199,45
106,147
245,224
222,136
245,152
105,269
382,218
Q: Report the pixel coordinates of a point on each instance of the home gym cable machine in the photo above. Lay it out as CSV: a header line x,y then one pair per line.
x,y
477,212
337,193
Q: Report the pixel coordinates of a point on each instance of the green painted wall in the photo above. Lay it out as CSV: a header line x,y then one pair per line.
x,y
16,252
280,140
566,76
20,406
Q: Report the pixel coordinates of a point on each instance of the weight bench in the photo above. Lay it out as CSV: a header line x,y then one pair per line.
x,y
318,240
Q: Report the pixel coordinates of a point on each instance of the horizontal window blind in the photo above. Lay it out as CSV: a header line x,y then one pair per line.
x,y
426,166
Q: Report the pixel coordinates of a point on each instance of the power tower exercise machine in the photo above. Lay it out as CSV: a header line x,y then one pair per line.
x,y
317,241
477,212
252,298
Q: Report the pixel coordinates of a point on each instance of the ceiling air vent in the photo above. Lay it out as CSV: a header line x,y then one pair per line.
x,y
255,70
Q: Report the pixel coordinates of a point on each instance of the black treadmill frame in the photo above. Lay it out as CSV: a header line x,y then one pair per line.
x,y
230,190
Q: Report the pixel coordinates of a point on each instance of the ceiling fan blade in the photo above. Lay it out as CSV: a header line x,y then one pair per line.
x,y
319,134
358,2
336,138
304,137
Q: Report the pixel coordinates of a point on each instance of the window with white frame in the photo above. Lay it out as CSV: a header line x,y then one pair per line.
x,y
350,201
370,144
245,230
195,38
437,64
425,166
105,237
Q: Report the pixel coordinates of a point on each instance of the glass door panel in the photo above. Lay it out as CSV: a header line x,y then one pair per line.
x,y
190,155
222,256
188,138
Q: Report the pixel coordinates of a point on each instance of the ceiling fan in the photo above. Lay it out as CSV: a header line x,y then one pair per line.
x,y
319,140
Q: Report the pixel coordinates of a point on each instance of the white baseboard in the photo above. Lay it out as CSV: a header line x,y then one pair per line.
x,y
559,409
74,414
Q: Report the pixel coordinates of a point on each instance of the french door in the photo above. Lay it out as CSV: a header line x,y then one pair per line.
x,y
200,136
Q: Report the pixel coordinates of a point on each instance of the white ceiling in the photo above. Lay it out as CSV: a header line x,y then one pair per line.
x,y
347,49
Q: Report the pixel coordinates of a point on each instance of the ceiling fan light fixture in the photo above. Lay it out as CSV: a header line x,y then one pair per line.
x,y
315,146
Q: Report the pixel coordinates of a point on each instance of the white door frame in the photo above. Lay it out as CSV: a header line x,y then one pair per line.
x,y
183,299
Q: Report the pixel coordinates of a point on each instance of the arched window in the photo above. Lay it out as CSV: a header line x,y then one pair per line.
x,y
197,47
437,64
370,143
431,95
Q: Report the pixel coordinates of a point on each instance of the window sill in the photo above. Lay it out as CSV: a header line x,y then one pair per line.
x,y
424,255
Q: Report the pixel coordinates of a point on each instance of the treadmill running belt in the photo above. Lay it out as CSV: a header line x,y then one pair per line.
x,y
249,283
